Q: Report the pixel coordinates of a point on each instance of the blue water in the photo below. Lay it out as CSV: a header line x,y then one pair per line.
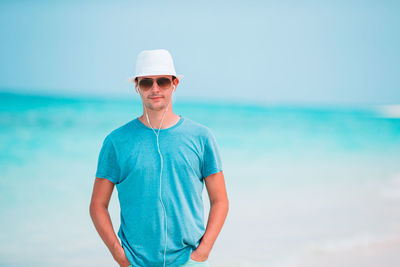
x,y
300,180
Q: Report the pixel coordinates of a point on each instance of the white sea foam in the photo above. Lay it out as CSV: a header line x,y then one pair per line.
x,y
389,111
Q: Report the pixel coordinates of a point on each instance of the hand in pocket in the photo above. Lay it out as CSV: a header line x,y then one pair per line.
x,y
120,257
198,256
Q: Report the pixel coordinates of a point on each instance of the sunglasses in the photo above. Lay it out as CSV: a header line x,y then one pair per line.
x,y
162,82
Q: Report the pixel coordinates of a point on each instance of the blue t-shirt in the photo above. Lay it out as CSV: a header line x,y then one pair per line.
x,y
130,159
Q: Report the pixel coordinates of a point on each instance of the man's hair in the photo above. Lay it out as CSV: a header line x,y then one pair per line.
x,y
173,78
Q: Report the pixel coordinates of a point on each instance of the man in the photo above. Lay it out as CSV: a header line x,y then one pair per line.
x,y
159,175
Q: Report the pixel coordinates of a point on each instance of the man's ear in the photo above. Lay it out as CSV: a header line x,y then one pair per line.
x,y
176,82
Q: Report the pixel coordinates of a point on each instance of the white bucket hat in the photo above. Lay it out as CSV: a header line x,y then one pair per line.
x,y
154,62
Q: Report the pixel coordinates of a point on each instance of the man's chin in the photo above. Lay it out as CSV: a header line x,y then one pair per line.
x,y
157,107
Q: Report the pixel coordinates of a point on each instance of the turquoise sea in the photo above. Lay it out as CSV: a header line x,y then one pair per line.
x,y
308,185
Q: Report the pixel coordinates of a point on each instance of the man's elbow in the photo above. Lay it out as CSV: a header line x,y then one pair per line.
x,y
95,208
222,203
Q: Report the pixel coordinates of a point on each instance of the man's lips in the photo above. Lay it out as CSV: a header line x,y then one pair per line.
x,y
158,97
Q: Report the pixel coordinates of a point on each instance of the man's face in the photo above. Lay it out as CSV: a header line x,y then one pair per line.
x,y
156,98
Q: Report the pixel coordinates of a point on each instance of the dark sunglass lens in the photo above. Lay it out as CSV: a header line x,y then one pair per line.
x,y
164,82
146,84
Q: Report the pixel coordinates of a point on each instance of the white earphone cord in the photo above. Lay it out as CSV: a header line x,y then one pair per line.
x,y
158,146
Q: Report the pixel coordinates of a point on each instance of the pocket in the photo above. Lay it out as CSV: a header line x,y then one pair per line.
x,y
199,262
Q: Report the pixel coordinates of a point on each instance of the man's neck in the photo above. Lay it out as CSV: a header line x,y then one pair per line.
x,y
170,119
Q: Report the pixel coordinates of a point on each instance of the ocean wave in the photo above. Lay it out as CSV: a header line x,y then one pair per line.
x,y
388,111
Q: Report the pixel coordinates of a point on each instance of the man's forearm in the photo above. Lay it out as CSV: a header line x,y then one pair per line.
x,y
102,222
216,219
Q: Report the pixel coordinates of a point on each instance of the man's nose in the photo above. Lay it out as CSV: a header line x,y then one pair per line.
x,y
155,87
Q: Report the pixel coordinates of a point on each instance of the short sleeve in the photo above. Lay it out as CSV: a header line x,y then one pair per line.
x,y
211,157
107,165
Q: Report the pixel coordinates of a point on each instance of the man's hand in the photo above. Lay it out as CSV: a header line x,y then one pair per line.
x,y
219,205
200,254
120,256
102,191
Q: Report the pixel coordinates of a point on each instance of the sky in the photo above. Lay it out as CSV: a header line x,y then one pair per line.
x,y
277,52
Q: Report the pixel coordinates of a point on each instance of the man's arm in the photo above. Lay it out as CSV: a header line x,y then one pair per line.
x,y
102,191
219,206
